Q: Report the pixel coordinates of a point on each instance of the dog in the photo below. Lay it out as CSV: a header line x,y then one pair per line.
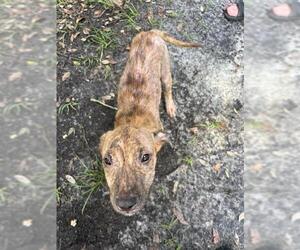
x,y
129,151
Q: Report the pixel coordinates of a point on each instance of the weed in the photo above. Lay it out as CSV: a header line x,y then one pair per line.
x,y
188,160
107,72
103,38
107,4
58,194
172,243
90,179
170,225
154,23
17,107
171,13
130,14
212,125
67,106
3,194
90,61
193,141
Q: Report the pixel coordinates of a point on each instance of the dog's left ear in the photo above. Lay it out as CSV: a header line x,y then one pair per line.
x,y
159,140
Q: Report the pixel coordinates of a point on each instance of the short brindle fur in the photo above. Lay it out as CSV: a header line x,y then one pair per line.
x,y
129,150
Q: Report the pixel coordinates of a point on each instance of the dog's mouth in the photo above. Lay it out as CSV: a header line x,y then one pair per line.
x,y
128,210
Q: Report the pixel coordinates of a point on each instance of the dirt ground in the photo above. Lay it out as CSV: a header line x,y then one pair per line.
x,y
196,201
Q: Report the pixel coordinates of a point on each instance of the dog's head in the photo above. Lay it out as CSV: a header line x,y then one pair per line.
x,y
129,159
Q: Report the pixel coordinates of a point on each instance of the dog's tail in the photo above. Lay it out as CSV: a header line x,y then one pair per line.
x,y
169,39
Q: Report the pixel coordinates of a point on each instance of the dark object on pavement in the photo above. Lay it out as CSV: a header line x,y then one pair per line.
x,y
239,16
294,15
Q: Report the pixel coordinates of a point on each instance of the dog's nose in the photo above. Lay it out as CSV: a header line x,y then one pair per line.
x,y
126,203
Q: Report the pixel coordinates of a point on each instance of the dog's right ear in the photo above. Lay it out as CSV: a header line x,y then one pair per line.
x,y
159,140
104,141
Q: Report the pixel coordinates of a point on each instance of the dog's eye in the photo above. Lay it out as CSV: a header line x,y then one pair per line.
x,y
145,158
108,160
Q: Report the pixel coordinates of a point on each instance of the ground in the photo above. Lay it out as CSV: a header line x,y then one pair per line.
x,y
196,201
272,114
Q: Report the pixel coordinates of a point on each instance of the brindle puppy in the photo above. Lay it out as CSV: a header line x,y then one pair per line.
x,y
129,151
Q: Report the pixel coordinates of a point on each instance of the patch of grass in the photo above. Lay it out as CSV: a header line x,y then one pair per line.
x,y
90,179
173,244
107,72
105,39
58,194
68,105
212,125
130,14
171,13
3,194
107,4
193,141
17,107
154,23
168,226
188,160
89,61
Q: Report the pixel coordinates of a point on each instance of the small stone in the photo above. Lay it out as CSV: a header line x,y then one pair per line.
x,y
73,223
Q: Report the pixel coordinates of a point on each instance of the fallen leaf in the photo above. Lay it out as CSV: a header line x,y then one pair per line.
x,y
295,217
98,13
241,216
179,216
194,130
236,239
175,187
15,76
65,76
70,179
255,236
105,62
215,236
86,31
256,168
73,223
23,179
119,3
217,168
27,223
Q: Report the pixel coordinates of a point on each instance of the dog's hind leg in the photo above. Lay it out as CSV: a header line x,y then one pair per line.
x,y
166,79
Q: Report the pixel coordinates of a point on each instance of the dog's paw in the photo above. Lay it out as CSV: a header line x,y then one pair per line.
x,y
171,109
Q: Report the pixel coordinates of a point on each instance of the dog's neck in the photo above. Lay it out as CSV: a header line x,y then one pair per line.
x,y
137,118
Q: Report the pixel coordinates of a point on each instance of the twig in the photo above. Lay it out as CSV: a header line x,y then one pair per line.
x,y
102,103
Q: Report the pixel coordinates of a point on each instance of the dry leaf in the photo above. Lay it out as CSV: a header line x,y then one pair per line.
x,y
73,223
119,3
256,168
194,130
179,216
217,168
23,179
295,217
255,236
27,223
15,76
65,76
98,13
70,179
242,216
86,31
215,236
105,62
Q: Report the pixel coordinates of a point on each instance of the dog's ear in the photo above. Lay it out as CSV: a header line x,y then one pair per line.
x,y
104,141
159,140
